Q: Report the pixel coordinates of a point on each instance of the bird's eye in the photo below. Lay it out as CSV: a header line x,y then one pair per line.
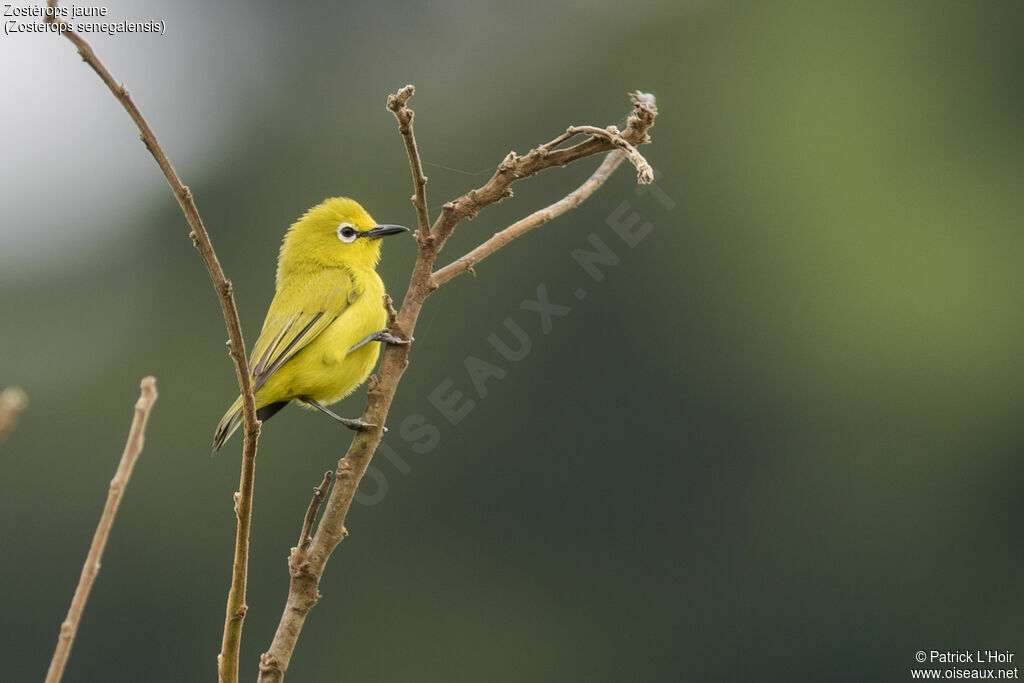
x,y
347,233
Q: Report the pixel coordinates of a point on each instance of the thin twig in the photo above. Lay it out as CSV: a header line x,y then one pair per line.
x,y
12,401
303,590
466,263
298,564
644,172
235,610
199,236
404,115
319,493
515,167
132,449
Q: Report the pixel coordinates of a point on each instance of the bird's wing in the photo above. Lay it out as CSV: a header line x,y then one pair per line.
x,y
299,312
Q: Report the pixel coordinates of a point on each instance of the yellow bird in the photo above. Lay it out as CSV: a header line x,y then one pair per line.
x,y
322,334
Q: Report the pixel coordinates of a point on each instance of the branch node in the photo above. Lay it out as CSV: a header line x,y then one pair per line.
x,y
474,204
389,307
423,241
508,164
269,663
398,100
299,567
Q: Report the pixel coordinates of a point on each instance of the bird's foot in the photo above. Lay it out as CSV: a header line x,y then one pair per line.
x,y
381,336
355,425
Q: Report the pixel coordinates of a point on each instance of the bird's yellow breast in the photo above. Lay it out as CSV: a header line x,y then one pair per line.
x,y
324,370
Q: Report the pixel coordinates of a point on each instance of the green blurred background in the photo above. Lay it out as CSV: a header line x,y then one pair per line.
x,y
780,440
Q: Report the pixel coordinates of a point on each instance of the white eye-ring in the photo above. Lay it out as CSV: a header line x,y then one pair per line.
x,y
347,233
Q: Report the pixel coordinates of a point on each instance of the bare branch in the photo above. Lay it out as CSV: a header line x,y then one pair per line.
x,y
303,590
298,604
396,105
12,401
132,449
465,263
319,493
235,611
514,167
199,236
644,172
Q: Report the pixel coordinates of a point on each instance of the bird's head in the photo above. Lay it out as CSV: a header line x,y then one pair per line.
x,y
337,232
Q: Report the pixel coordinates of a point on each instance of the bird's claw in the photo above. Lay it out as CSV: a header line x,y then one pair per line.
x,y
381,336
359,425
356,425
389,338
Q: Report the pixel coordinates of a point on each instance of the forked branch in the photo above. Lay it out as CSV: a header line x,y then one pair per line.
x,y
303,589
464,264
515,167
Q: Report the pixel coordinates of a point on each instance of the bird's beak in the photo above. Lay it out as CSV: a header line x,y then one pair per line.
x,y
382,230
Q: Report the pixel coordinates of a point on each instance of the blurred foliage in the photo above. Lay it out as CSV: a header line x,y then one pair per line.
x,y
779,440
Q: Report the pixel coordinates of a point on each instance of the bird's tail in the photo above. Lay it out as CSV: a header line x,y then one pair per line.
x,y
228,424
234,418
